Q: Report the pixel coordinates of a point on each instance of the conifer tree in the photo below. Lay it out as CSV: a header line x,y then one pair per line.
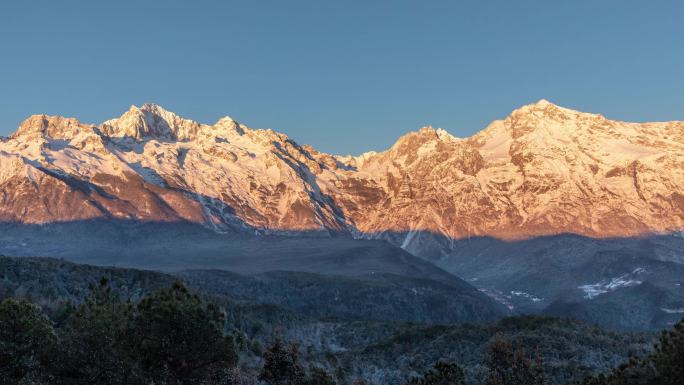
x,y
443,373
665,366
282,366
319,376
508,366
95,341
27,342
668,359
179,339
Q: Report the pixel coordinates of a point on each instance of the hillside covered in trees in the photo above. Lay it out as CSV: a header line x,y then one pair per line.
x,y
64,323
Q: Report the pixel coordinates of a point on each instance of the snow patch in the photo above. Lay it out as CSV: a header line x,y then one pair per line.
x,y
526,295
593,290
148,174
445,136
499,297
673,311
507,299
409,237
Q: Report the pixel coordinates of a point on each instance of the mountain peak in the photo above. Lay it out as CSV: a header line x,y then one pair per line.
x,y
545,109
52,126
543,103
151,121
553,118
151,106
538,106
426,134
227,126
155,109
422,142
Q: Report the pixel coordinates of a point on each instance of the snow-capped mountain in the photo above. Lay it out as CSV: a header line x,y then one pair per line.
x,y
542,170
152,165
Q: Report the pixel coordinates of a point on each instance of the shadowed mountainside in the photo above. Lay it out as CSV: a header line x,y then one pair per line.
x,y
170,247
627,283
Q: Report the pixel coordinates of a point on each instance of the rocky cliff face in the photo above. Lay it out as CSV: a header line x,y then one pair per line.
x,y
542,170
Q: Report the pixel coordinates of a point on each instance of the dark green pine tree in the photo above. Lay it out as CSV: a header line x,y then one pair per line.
x,y
319,376
443,373
508,366
281,365
178,339
95,341
665,366
668,358
27,342
500,361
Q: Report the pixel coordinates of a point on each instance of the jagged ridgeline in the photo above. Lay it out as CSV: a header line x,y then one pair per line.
x,y
543,170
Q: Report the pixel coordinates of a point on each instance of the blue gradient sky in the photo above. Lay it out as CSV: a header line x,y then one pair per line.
x,y
345,76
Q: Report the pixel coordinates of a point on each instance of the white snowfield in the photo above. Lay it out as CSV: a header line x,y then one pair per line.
x,y
542,170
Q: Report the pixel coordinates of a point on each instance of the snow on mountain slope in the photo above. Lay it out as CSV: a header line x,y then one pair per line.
x,y
152,165
542,170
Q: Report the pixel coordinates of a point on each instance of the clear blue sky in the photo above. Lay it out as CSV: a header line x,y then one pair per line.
x,y
344,76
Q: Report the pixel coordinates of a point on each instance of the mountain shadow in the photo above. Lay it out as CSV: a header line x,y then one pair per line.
x,y
373,267
568,274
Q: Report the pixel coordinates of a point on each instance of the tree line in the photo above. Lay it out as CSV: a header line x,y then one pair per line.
x,y
173,337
